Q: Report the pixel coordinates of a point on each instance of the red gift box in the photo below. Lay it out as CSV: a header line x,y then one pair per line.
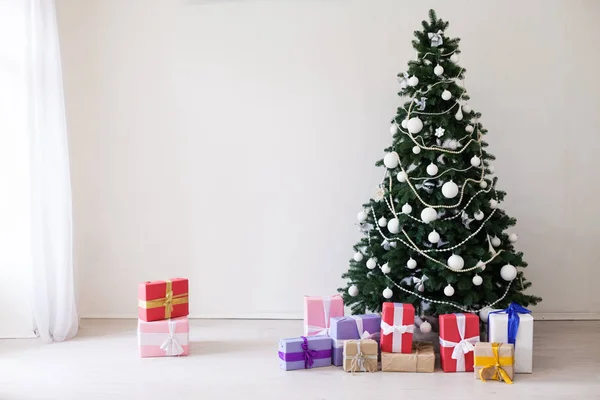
x,y
163,299
397,327
458,335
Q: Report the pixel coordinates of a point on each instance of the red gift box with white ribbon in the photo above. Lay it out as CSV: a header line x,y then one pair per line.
x,y
397,327
458,335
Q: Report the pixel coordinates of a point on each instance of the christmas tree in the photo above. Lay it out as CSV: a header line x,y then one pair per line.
x,y
434,235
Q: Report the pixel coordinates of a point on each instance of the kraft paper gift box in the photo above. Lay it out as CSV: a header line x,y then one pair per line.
x,y
422,359
494,361
168,337
360,355
458,335
304,352
163,299
318,311
514,325
397,327
364,326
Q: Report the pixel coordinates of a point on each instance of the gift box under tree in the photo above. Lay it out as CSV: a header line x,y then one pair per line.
x,y
514,325
397,327
352,327
458,335
318,311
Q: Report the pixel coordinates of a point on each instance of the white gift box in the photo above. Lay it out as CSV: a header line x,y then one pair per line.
x,y
498,333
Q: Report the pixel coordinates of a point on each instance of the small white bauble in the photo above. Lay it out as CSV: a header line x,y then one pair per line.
x,y
469,128
404,123
428,215
481,265
371,263
496,241
432,169
391,160
450,190
387,293
413,81
466,109
358,257
493,203
393,225
483,184
483,313
475,161
361,216
453,144
449,290
411,263
382,222
425,327
353,291
513,237
477,280
393,129
385,268
406,208
401,176
414,125
416,149
508,272
491,169
456,262
446,95
438,70
478,215
433,237
454,58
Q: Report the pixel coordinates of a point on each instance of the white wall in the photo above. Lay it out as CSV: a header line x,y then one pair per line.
x,y
233,142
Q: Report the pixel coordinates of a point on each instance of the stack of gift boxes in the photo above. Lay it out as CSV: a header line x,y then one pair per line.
x,y
367,343
163,328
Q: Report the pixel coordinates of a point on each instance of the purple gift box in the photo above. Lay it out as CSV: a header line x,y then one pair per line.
x,y
366,326
304,352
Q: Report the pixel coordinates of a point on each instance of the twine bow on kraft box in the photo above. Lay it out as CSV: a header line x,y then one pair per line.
x,y
158,300
360,355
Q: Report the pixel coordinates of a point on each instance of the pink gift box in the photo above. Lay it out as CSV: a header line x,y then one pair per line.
x,y
318,311
169,337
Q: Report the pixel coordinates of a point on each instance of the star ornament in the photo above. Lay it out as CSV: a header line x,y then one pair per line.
x,y
439,132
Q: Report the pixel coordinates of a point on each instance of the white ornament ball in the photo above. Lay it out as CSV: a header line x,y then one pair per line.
x,y
428,215
478,215
466,109
496,241
450,190
385,268
393,129
454,58
425,327
415,125
438,70
433,237
513,237
449,290
477,280
456,262
491,169
404,123
353,291
481,265
401,176
382,222
361,216
432,169
483,184
413,81
475,161
446,95
393,225
387,293
508,272
493,203
416,149
469,128
411,263
371,263
391,160
483,313
358,257
453,144
406,208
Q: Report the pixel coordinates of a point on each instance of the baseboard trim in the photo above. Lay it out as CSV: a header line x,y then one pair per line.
x,y
566,316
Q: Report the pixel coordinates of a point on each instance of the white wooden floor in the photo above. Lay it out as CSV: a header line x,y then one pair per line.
x,y
236,359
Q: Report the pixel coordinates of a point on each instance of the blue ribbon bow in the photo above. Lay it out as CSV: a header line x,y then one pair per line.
x,y
309,354
513,312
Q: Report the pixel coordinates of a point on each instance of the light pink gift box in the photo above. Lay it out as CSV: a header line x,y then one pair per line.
x,y
169,337
318,311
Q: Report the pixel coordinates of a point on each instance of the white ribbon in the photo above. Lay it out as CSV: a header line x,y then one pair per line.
x,y
397,330
320,330
463,347
436,38
171,346
361,330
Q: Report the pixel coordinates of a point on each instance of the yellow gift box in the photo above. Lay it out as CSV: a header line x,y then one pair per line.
x,y
494,361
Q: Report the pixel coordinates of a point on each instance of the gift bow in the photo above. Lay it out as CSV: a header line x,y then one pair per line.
x,y
309,354
513,312
171,346
436,38
464,346
421,104
358,361
499,373
387,328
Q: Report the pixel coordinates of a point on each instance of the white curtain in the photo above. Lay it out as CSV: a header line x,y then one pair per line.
x,y
54,308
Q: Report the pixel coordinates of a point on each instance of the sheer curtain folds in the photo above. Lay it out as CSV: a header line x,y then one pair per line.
x,y
54,308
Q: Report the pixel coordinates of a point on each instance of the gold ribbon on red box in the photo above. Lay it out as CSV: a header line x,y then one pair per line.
x,y
167,302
